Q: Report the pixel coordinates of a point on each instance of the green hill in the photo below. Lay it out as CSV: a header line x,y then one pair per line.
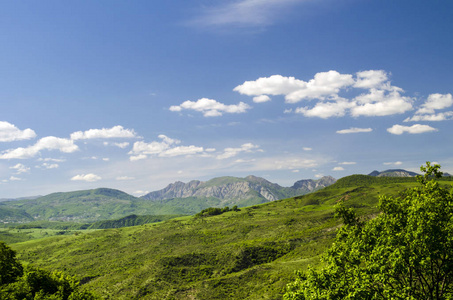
x,y
82,207
246,254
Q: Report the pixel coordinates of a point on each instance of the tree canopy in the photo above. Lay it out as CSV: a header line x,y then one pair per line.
x,y
19,283
405,252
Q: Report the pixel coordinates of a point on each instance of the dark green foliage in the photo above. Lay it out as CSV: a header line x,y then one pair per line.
x,y
250,256
214,211
19,283
10,268
406,252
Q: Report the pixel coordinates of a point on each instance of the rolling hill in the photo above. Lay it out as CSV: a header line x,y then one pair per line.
x,y
246,254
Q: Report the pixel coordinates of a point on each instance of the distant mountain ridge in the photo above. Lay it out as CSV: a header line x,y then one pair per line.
x,y
393,173
230,188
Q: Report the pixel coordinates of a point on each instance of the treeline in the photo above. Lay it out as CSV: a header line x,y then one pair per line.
x,y
213,211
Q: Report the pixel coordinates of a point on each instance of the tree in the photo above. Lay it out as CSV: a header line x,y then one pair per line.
x,y
19,283
406,252
10,268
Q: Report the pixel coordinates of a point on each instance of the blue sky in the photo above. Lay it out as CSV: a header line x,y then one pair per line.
x,y
136,95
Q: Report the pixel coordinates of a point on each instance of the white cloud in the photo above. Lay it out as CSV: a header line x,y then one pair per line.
x,y
50,166
324,84
122,145
164,148
104,133
348,163
435,102
13,178
371,79
427,110
354,130
382,98
211,108
243,13
20,168
46,143
231,152
307,148
10,133
86,177
326,110
261,99
273,85
338,169
414,129
431,118
396,163
381,103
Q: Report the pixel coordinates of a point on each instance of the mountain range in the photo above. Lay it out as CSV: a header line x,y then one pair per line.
x,y
177,198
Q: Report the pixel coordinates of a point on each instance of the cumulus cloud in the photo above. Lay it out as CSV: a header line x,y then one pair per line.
x,y
414,129
354,130
86,177
371,79
307,148
166,147
20,168
338,169
435,102
326,110
104,133
348,163
381,103
46,143
382,98
231,152
427,111
396,163
10,133
324,84
210,107
261,99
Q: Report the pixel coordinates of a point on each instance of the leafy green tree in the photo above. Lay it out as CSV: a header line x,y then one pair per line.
x,y
10,268
19,283
406,252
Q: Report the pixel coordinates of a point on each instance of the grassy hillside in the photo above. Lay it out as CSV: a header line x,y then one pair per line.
x,y
249,254
83,206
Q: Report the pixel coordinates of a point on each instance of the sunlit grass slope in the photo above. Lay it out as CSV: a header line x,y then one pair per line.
x,y
249,254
